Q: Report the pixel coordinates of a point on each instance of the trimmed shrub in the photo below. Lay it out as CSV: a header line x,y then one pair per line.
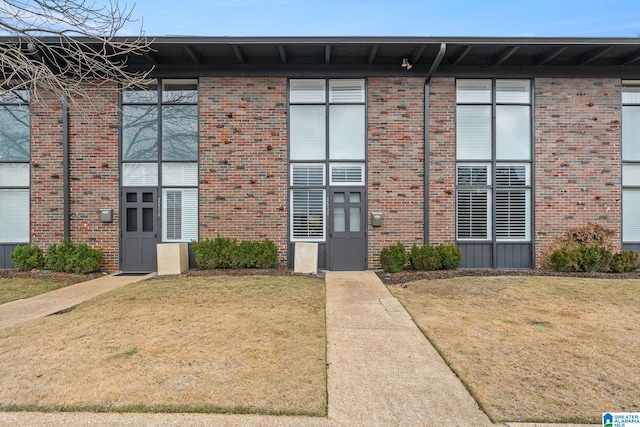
x,y
595,258
425,258
393,258
68,257
450,256
27,257
625,262
227,253
566,259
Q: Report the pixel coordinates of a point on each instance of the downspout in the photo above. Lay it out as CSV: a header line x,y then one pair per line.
x,y
427,122
65,170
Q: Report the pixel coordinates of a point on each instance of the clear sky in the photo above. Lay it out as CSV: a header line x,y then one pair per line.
x,y
509,18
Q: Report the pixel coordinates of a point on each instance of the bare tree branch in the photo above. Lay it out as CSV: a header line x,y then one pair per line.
x,y
59,47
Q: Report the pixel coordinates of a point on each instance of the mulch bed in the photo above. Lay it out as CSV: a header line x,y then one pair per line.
x,y
407,276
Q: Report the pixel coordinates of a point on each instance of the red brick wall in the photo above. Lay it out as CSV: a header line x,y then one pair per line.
x,y
578,155
243,159
396,162
442,156
47,183
93,155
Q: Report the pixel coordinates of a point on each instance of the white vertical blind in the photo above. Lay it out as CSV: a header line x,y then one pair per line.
x,y
631,174
307,132
307,91
139,174
14,216
513,132
631,215
473,132
347,132
179,174
14,174
179,215
473,91
346,91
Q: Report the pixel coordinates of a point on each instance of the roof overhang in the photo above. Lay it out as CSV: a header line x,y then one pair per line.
x,y
383,56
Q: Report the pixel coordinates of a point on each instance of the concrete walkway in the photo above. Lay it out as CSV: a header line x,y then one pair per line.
x,y
381,369
43,305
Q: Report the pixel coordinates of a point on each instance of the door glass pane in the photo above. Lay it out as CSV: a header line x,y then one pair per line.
x,y
354,197
354,220
147,197
132,197
132,219
338,198
147,219
338,220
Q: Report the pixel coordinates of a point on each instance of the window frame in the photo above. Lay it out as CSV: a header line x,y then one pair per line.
x,y
629,184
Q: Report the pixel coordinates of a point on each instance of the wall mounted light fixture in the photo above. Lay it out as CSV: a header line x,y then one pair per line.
x,y
406,64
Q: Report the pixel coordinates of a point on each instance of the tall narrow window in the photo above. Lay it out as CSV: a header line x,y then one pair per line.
x,y
494,155
631,163
14,167
327,136
160,149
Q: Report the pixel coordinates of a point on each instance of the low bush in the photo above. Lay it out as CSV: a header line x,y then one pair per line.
x,y
223,252
425,258
393,258
68,257
625,262
450,256
566,259
595,258
27,257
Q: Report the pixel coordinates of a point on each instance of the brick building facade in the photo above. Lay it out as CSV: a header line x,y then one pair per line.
x,y
301,140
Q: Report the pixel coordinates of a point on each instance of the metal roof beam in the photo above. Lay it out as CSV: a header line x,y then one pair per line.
x,y
327,54
372,54
283,54
630,58
238,53
462,53
505,54
593,55
543,59
416,57
151,57
193,54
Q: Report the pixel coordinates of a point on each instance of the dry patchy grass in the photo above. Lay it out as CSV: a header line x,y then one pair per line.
x,y
17,285
209,344
545,349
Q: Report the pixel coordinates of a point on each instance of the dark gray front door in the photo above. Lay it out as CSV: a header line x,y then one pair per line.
x,y
347,229
139,222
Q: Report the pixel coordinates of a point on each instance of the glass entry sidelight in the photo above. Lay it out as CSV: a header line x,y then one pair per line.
x,y
347,229
139,232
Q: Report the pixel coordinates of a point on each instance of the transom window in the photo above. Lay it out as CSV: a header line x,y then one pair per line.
x,y
15,155
160,149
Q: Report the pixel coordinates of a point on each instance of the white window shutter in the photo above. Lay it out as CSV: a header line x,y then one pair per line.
x,y
346,91
307,91
473,214
307,175
307,215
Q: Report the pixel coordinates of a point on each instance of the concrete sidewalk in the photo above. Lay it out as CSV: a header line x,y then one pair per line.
x,y
382,370
43,305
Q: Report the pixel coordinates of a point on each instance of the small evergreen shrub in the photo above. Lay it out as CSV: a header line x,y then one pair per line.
x,y
450,256
566,259
425,258
68,257
595,258
393,258
27,257
625,262
227,253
